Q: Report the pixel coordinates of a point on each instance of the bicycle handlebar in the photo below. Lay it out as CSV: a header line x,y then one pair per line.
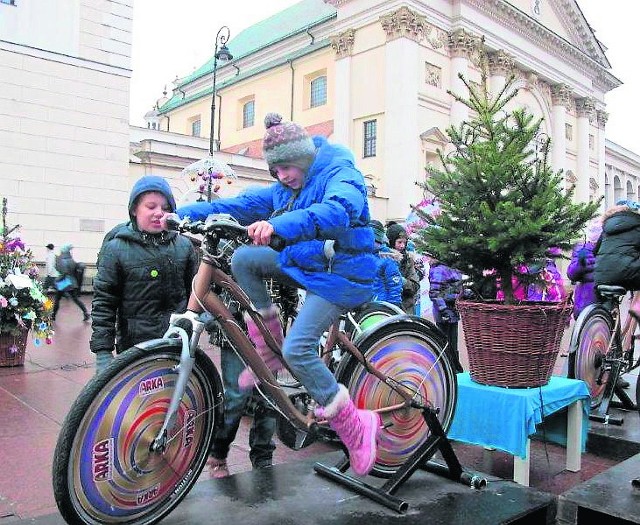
x,y
220,224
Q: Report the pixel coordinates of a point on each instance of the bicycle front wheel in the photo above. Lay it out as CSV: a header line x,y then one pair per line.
x,y
412,356
593,332
104,470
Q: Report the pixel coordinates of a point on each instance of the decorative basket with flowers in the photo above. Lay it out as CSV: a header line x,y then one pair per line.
x,y
23,305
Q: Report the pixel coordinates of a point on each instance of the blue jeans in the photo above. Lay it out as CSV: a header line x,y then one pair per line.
x,y
251,266
261,445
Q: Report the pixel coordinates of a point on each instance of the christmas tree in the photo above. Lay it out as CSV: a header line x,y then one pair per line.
x,y
502,204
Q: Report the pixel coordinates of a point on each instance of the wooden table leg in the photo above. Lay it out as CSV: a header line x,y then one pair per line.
x,y
521,467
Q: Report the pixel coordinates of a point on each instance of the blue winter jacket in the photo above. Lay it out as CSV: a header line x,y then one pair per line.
x,y
331,205
388,282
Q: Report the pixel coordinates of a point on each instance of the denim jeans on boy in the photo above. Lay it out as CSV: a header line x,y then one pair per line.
x,y
261,445
251,266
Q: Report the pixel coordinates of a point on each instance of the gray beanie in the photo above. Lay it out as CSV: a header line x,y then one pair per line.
x,y
287,143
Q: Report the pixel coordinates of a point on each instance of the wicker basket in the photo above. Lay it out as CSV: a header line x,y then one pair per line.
x,y
12,348
513,345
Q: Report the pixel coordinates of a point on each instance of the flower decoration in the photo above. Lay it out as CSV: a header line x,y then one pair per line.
x,y
23,304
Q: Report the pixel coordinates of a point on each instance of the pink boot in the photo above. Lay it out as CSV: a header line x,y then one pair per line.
x,y
358,430
247,379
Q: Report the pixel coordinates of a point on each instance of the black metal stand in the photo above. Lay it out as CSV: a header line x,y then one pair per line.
x,y
601,414
437,440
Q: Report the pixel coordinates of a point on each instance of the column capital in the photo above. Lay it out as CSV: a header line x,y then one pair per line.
x,y
404,22
602,118
586,107
463,44
342,43
561,95
500,62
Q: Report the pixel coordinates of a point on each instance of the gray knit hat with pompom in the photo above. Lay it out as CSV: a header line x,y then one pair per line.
x,y
287,143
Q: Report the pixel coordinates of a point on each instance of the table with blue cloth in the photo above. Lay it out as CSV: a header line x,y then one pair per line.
x,y
506,418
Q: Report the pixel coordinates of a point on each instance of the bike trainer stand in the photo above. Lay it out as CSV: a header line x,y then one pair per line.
x,y
437,440
601,414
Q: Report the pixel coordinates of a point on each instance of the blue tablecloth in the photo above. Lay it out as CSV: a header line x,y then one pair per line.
x,y
504,418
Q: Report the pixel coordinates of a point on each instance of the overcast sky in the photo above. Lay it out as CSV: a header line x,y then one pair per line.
x,y
172,39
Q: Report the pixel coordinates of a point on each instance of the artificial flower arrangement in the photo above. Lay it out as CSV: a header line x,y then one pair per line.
x,y
23,304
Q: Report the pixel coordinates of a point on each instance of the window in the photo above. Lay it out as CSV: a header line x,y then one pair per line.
x,y
568,132
195,128
318,92
370,136
248,114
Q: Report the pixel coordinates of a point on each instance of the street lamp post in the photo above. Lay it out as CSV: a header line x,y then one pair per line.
x,y
222,54
212,170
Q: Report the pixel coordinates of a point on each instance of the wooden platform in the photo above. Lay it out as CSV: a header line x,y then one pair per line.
x,y
293,494
606,499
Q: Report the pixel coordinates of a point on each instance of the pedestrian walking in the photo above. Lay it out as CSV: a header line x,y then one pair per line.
x,y
67,282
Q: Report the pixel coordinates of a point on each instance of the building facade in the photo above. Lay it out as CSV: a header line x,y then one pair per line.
x,y
64,119
375,75
370,74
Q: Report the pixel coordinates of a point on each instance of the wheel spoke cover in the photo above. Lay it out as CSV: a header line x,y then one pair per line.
x,y
594,340
114,473
405,359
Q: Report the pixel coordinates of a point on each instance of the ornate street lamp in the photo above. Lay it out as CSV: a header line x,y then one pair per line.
x,y
222,37
211,171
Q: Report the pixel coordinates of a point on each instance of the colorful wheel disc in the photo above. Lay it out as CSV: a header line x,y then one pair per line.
x,y
410,362
594,341
115,473
371,320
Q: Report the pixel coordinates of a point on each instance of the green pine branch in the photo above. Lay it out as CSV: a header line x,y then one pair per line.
x,y
502,203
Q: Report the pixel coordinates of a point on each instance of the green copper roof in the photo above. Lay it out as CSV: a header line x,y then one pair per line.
x,y
284,24
177,100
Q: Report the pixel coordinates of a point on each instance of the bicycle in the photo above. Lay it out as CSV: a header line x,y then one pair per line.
x,y
137,437
602,348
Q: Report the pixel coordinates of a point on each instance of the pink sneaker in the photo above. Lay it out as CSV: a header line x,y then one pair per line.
x,y
247,379
357,429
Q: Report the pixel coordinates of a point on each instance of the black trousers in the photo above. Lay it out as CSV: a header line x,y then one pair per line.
x,y
71,294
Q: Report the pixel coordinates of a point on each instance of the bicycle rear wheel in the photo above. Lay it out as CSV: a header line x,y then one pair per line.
x,y
411,354
369,315
103,469
589,343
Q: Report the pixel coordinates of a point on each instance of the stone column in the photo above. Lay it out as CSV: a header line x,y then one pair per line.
x,y
585,109
500,67
461,45
400,133
602,117
342,44
560,102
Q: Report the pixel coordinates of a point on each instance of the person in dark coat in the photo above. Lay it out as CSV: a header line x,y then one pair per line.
x,y
319,207
398,240
618,252
144,274
67,269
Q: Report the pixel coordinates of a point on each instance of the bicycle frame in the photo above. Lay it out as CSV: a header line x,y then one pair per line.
x,y
612,354
202,297
623,335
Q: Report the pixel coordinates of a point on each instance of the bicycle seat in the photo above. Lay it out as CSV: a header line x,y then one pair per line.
x,y
607,290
